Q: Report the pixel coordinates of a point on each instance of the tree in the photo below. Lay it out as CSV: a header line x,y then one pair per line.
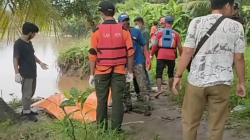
x,y
15,12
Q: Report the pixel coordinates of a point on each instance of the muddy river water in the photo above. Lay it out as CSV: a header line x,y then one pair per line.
x,y
48,82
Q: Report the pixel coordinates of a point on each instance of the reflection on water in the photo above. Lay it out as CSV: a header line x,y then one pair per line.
x,y
48,82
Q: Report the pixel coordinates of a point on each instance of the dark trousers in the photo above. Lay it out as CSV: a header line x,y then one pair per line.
x,y
117,83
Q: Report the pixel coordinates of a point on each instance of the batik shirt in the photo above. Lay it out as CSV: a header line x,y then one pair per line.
x,y
213,65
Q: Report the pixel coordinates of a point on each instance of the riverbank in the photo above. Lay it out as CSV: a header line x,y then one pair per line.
x,y
164,124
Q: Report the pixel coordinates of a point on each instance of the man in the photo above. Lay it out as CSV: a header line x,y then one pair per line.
x,y
211,74
139,67
111,49
236,14
139,22
166,42
25,67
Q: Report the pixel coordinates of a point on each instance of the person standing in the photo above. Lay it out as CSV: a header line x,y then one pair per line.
x,y
24,60
211,74
139,62
166,43
111,49
140,24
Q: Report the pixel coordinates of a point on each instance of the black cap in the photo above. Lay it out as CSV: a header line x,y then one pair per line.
x,y
106,6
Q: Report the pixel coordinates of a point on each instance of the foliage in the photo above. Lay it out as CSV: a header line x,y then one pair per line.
x,y
15,12
54,130
153,12
76,57
75,26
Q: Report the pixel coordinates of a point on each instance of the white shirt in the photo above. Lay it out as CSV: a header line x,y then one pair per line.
x,y
213,65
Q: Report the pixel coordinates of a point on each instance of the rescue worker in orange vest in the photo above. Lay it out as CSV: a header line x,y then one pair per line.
x,y
166,43
111,49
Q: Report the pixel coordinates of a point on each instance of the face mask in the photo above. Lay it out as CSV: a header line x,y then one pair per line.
x,y
137,27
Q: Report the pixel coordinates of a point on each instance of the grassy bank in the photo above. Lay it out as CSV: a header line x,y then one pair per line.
x,y
74,61
54,130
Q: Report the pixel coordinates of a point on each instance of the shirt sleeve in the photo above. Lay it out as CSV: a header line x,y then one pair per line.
x,y
240,43
92,50
129,42
16,52
190,41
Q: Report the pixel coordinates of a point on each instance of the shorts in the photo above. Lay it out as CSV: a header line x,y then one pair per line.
x,y
161,64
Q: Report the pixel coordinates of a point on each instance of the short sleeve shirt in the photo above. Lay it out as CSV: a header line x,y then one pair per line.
x,y
213,64
138,42
25,54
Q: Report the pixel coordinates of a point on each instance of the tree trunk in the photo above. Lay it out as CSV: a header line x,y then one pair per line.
x,y
7,113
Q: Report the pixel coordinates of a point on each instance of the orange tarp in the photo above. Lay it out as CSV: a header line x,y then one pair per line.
x,y
51,105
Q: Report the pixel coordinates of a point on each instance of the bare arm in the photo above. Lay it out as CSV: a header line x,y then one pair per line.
x,y
38,60
15,63
92,67
180,48
184,60
130,63
239,61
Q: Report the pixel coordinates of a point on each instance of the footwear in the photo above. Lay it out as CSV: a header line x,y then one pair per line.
x,y
147,113
127,108
30,117
32,112
158,94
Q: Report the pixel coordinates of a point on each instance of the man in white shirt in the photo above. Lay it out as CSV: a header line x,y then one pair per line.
x,y
211,74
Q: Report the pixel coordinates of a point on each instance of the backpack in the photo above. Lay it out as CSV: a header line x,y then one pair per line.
x,y
168,39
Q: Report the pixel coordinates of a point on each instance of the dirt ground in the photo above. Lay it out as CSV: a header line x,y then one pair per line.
x,y
165,124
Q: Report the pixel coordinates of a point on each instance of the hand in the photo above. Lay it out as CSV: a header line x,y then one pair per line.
x,y
44,66
148,64
129,77
18,78
241,90
176,85
92,81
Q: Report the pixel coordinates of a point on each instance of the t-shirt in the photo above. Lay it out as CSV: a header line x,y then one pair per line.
x,y
25,54
145,34
138,42
213,65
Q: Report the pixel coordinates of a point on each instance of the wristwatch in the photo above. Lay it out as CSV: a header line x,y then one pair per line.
x,y
177,76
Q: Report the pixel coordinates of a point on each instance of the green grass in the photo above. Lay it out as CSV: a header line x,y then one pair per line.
x,y
55,130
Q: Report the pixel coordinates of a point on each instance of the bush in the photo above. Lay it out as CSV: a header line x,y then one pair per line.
x,y
75,58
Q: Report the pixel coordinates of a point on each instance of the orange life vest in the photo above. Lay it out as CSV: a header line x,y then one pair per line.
x,y
111,48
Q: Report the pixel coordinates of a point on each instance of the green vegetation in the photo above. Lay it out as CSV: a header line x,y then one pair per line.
x,y
55,130
75,58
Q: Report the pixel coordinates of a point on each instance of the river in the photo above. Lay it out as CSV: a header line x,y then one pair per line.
x,y
48,82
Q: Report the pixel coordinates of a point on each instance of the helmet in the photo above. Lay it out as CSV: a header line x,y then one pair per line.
x,y
169,19
123,17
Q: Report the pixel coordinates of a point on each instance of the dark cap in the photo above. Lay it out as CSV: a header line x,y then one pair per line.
x,y
106,6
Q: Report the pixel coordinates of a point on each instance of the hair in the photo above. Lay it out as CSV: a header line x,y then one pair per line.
x,y
139,19
29,27
109,13
155,23
219,4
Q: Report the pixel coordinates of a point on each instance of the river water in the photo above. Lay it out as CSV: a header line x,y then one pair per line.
x,y
48,82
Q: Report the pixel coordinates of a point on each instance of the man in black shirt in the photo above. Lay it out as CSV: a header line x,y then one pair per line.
x,y
24,61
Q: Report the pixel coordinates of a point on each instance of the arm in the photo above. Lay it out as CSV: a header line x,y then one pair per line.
x,y
130,49
43,65
184,60
15,63
93,53
239,61
179,45
38,60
